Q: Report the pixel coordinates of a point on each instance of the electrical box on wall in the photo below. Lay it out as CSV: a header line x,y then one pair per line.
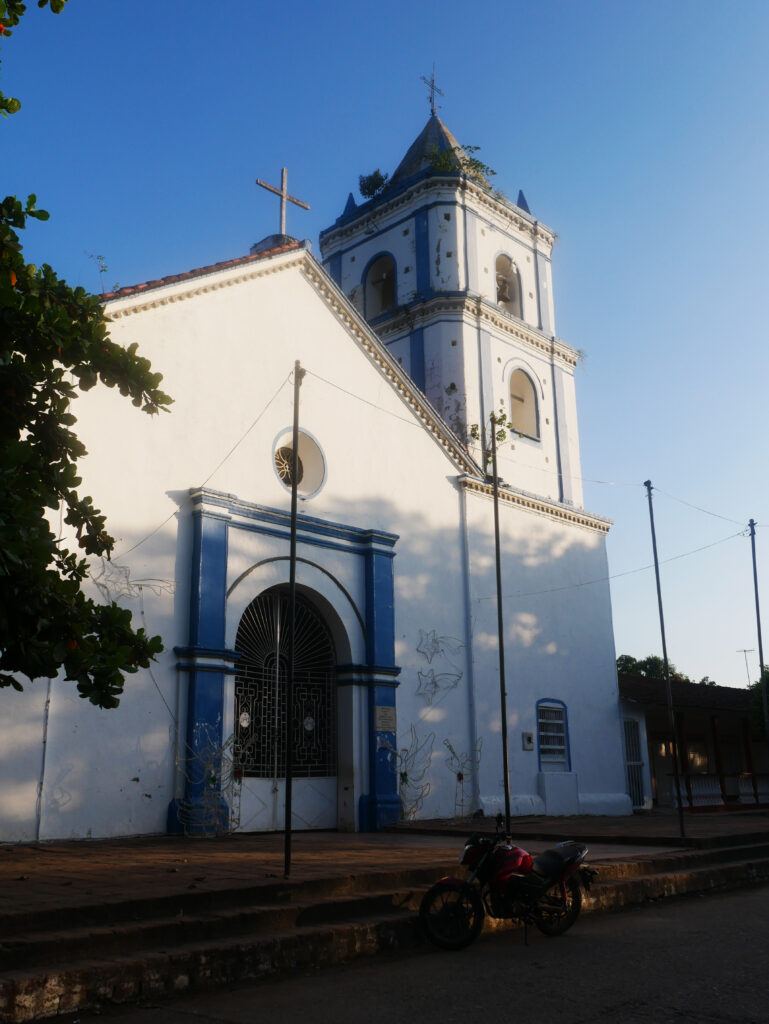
x,y
528,740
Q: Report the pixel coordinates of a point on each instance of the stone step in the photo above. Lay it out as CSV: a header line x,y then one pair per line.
x,y
41,949
307,924
215,899
651,864
31,995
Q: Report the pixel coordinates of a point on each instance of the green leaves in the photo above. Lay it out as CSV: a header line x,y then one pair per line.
x,y
372,185
11,13
461,160
49,331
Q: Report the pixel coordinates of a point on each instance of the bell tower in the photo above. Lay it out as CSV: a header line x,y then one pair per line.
x,y
456,280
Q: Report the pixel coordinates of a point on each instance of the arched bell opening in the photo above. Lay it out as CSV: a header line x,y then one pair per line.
x,y
508,285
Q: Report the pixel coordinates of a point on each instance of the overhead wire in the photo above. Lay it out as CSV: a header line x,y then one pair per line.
x,y
616,575
218,466
699,508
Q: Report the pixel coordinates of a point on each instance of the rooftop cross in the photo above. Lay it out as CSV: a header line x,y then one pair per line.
x,y
430,83
283,193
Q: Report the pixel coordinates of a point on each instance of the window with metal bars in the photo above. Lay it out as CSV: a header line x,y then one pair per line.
x,y
553,735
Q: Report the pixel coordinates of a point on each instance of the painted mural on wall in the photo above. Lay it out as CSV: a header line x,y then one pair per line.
x,y
464,767
439,679
412,764
215,763
114,582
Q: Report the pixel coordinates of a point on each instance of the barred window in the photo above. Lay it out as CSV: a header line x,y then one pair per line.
x,y
553,736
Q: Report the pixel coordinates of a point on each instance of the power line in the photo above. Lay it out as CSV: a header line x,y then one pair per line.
x,y
697,507
617,575
566,476
219,465
373,405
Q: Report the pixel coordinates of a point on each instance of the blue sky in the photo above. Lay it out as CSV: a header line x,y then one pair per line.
x,y
638,132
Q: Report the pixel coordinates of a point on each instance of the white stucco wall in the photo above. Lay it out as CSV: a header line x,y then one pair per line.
x,y
226,353
558,645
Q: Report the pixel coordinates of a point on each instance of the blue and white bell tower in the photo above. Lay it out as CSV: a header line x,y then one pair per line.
x,y
456,281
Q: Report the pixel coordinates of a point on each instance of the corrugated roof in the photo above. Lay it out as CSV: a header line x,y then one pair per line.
x,y
642,690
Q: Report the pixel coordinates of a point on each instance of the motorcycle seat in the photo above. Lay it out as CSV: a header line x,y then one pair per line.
x,y
551,862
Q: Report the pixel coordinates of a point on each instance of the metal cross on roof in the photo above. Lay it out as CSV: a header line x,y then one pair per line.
x,y
283,193
430,83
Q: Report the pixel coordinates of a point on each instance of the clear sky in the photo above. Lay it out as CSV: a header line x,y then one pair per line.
x,y
638,132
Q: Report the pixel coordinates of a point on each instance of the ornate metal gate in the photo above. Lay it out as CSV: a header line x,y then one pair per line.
x,y
634,762
260,691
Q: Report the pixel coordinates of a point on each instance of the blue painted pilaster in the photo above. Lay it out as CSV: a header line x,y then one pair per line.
x,y
417,357
334,267
422,253
380,806
202,810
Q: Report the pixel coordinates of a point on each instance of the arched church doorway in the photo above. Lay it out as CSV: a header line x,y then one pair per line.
x,y
261,712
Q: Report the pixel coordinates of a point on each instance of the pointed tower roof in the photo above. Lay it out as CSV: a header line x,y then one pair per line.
x,y
434,137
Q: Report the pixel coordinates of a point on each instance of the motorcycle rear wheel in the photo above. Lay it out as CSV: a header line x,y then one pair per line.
x,y
452,915
554,915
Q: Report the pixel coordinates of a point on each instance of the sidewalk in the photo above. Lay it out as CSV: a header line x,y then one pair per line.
x,y
88,923
57,875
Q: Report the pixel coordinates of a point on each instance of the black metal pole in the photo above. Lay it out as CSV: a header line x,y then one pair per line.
x,y
762,681
671,716
500,627
298,374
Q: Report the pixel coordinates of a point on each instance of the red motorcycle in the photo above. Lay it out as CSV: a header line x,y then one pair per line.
x,y
506,882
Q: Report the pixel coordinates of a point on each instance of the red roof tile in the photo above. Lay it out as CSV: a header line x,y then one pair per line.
x,y
199,272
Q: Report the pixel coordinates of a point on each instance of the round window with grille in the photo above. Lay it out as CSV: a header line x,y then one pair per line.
x,y
311,465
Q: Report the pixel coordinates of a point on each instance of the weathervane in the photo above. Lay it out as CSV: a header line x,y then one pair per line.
x,y
283,193
430,83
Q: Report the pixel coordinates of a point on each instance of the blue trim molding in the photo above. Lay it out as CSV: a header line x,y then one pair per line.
x,y
381,805
206,661
202,810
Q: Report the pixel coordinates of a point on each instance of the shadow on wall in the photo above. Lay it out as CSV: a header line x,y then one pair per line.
x,y
114,772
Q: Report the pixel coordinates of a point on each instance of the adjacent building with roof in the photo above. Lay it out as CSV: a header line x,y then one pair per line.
x,y
722,756
432,310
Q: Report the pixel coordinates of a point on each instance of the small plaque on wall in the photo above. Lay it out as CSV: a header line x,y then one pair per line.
x,y
384,718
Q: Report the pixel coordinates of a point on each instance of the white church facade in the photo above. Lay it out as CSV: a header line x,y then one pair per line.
x,y
432,308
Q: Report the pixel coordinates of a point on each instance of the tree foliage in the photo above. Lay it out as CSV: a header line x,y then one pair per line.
x,y
653,667
461,159
372,185
53,343
757,703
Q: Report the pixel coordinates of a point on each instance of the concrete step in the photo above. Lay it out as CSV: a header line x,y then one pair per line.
x,y
202,940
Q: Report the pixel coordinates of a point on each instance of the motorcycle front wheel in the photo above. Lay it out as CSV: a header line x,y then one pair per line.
x,y
452,915
554,915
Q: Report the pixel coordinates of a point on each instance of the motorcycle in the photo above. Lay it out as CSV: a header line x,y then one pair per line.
x,y
506,882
